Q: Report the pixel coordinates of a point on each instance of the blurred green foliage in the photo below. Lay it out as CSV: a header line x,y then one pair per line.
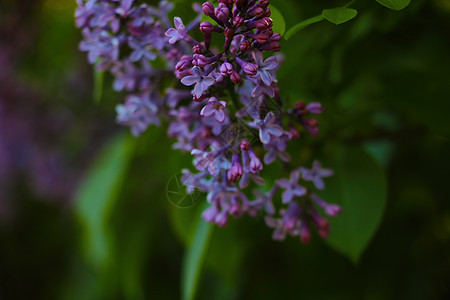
x,y
384,80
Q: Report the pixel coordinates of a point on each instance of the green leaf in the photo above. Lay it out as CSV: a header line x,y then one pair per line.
x,y
279,24
339,15
194,259
96,197
299,26
395,4
359,187
98,85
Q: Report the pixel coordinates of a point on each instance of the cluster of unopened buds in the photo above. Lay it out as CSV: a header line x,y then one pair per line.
x,y
221,102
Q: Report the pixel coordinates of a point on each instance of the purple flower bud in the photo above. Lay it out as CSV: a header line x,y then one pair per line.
x,y
257,12
312,126
261,38
184,63
264,3
249,68
238,21
226,69
222,12
267,12
294,133
272,46
276,37
229,33
236,78
314,108
208,9
236,171
300,105
331,210
197,49
199,60
255,162
245,145
245,46
321,223
305,233
261,24
206,27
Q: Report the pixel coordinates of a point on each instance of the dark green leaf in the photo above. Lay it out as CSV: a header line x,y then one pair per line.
x,y
359,186
194,259
279,24
339,15
294,29
97,194
395,4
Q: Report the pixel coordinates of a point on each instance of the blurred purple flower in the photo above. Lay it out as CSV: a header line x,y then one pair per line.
x,y
291,187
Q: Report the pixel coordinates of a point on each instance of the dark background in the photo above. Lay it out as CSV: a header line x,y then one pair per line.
x,y
384,79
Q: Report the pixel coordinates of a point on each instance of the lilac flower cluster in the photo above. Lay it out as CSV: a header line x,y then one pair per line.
x,y
225,108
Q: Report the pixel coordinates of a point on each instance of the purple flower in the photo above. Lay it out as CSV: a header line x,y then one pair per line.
x,y
138,112
249,172
330,209
216,108
316,174
291,186
141,50
276,148
125,8
266,199
202,82
177,34
315,108
289,223
255,162
213,161
236,170
264,66
267,128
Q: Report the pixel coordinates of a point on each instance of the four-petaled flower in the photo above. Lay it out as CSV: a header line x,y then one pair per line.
x,y
141,50
177,34
264,66
267,127
316,174
216,108
291,186
202,82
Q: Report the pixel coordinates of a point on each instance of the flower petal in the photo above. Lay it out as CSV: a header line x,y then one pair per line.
x,y
258,57
270,63
199,89
287,196
265,77
284,183
207,111
220,115
270,118
264,136
275,130
208,81
189,80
